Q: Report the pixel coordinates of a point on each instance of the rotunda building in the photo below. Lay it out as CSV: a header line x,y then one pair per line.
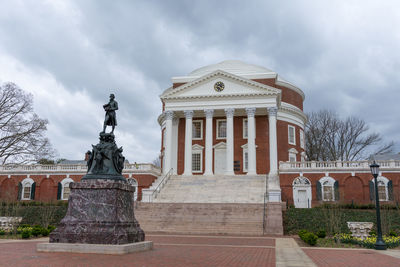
x,y
231,118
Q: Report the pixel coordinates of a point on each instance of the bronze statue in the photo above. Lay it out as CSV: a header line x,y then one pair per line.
x,y
111,117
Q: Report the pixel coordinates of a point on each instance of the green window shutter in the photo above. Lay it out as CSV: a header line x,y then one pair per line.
x,y
33,190
19,191
390,190
59,190
371,191
319,190
336,188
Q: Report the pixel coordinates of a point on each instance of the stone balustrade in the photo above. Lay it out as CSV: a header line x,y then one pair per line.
x,y
8,223
319,166
360,229
73,168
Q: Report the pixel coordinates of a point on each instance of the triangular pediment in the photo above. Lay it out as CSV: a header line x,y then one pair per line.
x,y
220,145
232,85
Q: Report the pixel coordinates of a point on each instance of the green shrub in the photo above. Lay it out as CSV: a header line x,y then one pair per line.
x,y
51,228
2,232
321,233
45,232
37,230
372,232
26,233
393,233
308,237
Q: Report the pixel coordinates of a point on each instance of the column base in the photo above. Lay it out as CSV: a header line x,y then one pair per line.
x,y
208,174
229,173
251,173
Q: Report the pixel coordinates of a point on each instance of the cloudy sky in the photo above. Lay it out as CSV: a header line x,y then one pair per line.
x,y
345,56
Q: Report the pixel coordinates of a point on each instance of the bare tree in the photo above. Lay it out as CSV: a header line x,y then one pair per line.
x,y
157,162
330,138
22,132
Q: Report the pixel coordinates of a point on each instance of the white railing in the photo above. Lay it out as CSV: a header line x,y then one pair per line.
x,y
336,165
149,194
71,168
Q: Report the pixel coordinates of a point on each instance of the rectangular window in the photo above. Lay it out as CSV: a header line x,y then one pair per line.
x,y
328,193
66,191
221,129
27,192
382,191
301,138
292,157
245,161
196,162
245,129
291,135
197,130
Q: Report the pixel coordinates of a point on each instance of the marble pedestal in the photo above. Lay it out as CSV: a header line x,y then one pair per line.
x,y
99,212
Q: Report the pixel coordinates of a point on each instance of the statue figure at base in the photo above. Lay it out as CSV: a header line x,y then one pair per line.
x,y
111,117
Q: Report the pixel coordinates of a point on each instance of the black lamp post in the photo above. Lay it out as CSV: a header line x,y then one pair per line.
x,y
380,244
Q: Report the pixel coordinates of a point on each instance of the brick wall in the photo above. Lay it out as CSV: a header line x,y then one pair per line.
x,y
351,188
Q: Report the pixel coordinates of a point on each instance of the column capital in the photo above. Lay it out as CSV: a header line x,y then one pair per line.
x,y
188,114
229,112
209,113
169,114
250,112
272,111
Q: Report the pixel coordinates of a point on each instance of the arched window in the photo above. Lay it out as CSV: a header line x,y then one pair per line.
x,y
133,182
328,189
385,189
27,189
63,189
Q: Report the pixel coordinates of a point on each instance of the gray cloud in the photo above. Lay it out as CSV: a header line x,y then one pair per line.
x,y
342,54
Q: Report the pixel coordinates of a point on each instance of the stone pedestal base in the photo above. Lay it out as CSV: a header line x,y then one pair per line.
x,y
274,195
99,212
95,248
274,222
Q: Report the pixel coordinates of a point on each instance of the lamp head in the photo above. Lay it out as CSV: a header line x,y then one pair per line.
x,y
374,169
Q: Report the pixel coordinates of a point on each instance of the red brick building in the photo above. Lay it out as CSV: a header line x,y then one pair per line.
x,y
51,182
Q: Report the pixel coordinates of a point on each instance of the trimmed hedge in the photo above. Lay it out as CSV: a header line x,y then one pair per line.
x,y
334,219
35,213
308,237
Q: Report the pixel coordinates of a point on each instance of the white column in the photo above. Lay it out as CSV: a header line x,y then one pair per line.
x,y
188,142
209,141
251,141
274,190
229,141
168,141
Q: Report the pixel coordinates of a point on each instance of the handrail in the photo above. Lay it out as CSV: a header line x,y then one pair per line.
x,y
161,183
264,213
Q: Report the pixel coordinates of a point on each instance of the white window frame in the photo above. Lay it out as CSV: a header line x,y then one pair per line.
x,y
201,130
331,183
64,182
385,182
294,135
302,141
293,153
197,149
26,182
245,130
217,122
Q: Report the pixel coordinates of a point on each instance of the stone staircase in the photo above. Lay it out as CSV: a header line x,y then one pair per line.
x,y
213,189
201,218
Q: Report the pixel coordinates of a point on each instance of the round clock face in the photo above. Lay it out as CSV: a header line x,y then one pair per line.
x,y
219,86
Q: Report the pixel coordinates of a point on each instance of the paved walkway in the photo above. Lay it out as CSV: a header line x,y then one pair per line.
x,y
207,251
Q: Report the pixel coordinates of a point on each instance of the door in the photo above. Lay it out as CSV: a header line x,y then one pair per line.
x,y
219,161
302,201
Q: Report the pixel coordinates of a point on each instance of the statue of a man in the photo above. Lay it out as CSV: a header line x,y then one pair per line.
x,y
111,118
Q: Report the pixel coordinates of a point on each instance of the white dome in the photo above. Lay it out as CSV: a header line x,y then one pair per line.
x,y
235,67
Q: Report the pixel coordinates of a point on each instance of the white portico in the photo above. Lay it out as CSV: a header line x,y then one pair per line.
x,y
221,120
